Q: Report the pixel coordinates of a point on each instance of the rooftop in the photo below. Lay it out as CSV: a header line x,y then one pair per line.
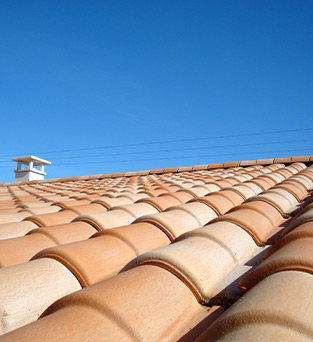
x,y
215,252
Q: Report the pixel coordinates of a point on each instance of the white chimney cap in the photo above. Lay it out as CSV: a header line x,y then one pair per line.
x,y
30,173
27,159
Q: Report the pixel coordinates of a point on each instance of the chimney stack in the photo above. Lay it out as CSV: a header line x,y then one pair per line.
x,y
30,172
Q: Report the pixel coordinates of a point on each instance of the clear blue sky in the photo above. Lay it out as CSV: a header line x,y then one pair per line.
x,y
84,74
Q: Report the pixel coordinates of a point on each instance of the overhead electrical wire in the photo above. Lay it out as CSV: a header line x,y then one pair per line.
x,y
182,157
178,149
182,149
166,141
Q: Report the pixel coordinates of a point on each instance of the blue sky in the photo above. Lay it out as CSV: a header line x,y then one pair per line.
x,y
90,74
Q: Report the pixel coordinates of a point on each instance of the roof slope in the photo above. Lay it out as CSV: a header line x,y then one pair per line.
x,y
204,253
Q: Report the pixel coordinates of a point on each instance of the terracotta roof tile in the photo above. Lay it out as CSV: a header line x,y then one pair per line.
x,y
192,240
32,290
14,229
215,166
268,312
231,164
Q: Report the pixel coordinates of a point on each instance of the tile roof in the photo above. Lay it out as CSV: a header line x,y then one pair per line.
x,y
217,252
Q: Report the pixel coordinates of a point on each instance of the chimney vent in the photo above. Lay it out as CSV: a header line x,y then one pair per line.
x,y
30,173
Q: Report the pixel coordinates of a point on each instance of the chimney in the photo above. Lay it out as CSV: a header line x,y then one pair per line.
x,y
30,172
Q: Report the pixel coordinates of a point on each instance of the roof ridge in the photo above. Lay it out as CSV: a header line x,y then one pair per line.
x,y
211,166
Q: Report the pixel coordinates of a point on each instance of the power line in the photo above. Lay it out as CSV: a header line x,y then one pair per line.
x,y
182,149
172,158
183,157
167,141
177,150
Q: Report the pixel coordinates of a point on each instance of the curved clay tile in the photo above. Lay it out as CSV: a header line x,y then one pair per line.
x,y
180,219
161,302
304,180
203,258
262,183
257,218
16,229
254,188
112,202
15,217
305,216
293,255
284,202
26,291
88,208
21,249
219,203
243,191
295,188
276,309
235,197
181,196
117,216
42,210
107,252
63,216
65,233
160,203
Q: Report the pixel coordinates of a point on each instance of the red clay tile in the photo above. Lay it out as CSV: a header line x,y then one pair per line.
x,y
235,197
162,303
244,191
17,217
200,167
257,218
203,258
248,163
171,169
260,218
185,168
219,203
262,183
104,255
36,204
153,193
265,161
231,164
223,183
295,255
198,191
295,188
160,203
112,202
15,229
300,159
26,291
117,216
305,216
282,160
180,219
156,171
303,180
87,208
276,309
41,210
181,196
66,233
64,216
299,166
215,166
284,202
23,248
